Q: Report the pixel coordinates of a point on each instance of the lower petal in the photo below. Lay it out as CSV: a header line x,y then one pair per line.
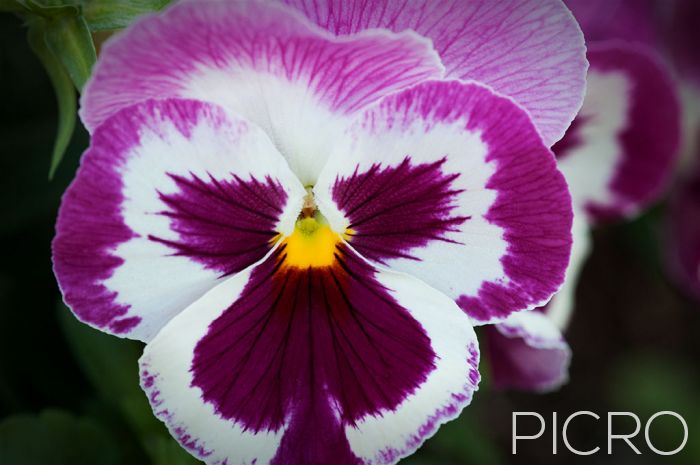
x,y
527,352
367,362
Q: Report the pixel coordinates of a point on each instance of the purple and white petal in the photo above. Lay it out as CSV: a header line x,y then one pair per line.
x,y
171,197
620,151
450,182
283,365
527,352
530,50
262,60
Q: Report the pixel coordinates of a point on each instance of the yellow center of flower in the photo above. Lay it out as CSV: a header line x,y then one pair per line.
x,y
312,244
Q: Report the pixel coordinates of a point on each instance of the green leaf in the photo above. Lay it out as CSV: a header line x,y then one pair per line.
x,y
57,438
104,15
68,37
65,92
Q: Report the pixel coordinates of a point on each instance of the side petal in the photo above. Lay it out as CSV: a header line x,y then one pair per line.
x,y
170,197
620,151
344,364
530,50
262,60
527,352
450,182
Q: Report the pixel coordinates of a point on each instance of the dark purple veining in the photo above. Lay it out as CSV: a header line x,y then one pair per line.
x,y
317,348
225,225
394,209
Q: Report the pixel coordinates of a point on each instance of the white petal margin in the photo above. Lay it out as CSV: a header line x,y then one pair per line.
x,y
449,388
167,379
113,253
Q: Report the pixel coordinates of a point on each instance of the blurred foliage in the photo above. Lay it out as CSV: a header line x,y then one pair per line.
x,y
56,437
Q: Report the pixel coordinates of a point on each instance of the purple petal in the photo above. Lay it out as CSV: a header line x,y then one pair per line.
x,y
683,37
262,60
621,149
531,50
527,352
284,365
170,197
683,233
451,183
628,20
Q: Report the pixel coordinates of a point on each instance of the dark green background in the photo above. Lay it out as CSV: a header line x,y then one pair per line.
x,y
70,395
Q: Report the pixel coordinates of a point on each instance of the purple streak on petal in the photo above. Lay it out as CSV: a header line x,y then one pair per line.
x,y
91,226
225,225
533,205
395,209
161,55
531,50
651,139
315,348
449,412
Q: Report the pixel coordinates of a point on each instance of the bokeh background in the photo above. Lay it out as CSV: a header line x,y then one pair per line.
x,y
70,395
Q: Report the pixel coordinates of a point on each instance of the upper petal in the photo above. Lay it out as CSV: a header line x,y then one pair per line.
x,y
170,197
620,151
531,50
263,60
450,182
344,364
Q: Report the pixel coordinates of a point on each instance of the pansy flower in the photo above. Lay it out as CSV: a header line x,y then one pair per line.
x,y
303,218
617,157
